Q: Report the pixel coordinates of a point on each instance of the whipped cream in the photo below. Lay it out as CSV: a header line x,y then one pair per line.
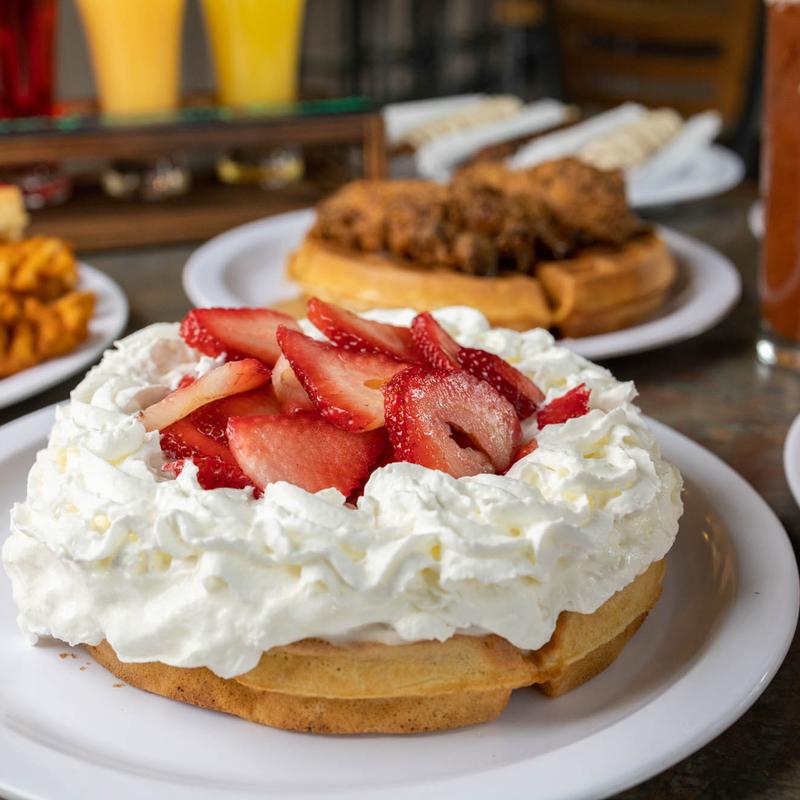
x,y
106,547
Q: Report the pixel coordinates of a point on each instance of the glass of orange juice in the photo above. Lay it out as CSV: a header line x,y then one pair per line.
x,y
135,47
255,46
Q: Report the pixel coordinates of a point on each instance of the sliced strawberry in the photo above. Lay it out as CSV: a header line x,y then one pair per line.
x,y
212,473
183,440
344,385
288,389
227,379
348,330
525,450
212,418
237,332
303,449
517,388
186,380
451,421
575,403
433,343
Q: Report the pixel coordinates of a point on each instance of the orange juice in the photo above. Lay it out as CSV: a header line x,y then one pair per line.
x,y
255,45
135,47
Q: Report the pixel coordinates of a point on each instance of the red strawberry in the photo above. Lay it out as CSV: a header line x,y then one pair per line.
x,y
344,385
215,463
348,330
237,332
518,389
288,389
183,440
525,450
186,380
575,403
212,473
304,450
433,343
450,421
231,378
212,419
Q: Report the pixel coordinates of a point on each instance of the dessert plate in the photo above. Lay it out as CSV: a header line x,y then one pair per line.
x,y
791,458
68,729
107,323
245,267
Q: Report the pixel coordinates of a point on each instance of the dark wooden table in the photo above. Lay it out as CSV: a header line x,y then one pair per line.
x,y
710,388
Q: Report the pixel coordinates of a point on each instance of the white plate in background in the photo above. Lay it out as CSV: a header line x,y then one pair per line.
x,y
245,267
107,323
791,458
704,655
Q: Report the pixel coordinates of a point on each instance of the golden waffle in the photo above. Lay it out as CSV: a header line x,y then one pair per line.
x,y
318,687
599,290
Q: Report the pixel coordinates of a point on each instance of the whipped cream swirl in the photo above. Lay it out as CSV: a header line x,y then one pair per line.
x,y
107,547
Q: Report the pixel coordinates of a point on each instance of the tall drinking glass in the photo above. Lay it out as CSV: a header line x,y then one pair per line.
x,y
256,46
135,47
779,279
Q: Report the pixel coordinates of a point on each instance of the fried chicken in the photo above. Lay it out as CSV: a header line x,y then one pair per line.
x,y
489,220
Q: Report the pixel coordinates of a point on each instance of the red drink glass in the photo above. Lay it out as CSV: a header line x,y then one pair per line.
x,y
780,167
26,57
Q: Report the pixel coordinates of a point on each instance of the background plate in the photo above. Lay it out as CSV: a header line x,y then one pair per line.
x,y
706,652
791,458
245,267
107,323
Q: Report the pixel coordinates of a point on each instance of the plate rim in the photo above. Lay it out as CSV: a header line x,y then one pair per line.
x,y
208,264
607,771
791,458
725,155
55,370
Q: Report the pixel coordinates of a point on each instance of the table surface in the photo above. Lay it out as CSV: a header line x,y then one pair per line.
x,y
710,388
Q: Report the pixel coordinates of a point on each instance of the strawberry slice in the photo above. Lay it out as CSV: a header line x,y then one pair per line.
x,y
575,403
186,380
227,379
451,421
212,473
348,330
288,389
525,450
183,440
517,388
237,332
433,343
212,418
216,465
303,449
344,385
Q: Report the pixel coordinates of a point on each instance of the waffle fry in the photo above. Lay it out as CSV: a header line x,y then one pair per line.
x,y
42,266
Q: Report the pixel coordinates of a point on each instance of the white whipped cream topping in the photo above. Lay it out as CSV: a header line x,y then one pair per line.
x,y
106,547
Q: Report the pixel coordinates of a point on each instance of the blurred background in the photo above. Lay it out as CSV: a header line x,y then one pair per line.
x,y
159,101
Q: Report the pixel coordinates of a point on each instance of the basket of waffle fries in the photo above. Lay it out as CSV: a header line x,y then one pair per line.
x,y
42,314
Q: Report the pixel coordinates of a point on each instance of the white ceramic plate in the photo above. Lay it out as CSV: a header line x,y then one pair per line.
x,y
707,651
245,267
715,170
107,323
791,458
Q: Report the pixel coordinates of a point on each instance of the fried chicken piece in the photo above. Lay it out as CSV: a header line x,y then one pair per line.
x,y
574,205
355,216
588,203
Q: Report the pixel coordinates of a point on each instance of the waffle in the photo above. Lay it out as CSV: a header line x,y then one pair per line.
x,y
601,289
318,687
